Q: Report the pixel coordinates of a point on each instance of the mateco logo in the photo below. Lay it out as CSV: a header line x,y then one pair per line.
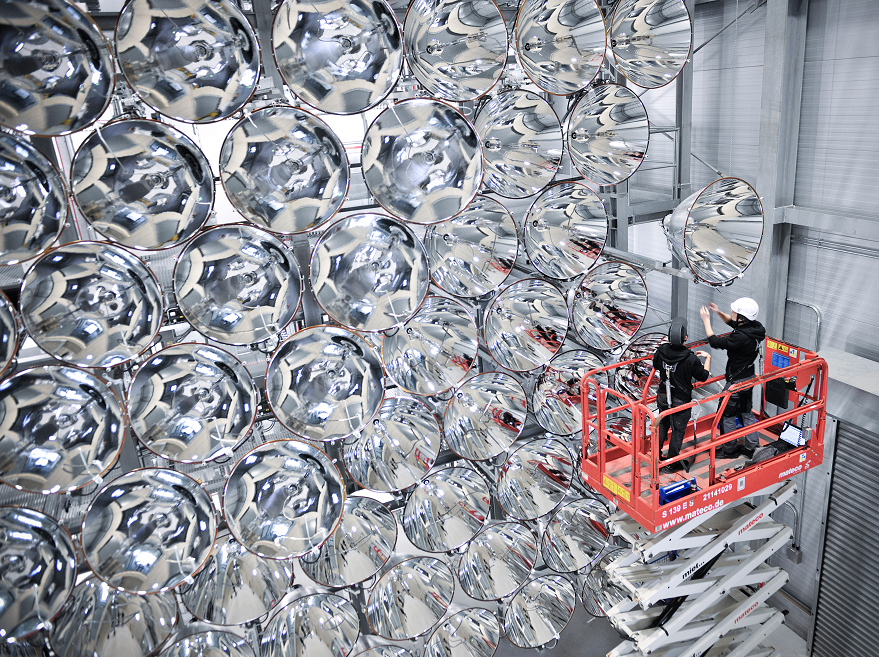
x,y
787,473
746,612
750,524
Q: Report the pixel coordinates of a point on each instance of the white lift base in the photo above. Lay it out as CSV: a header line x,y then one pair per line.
x,y
716,614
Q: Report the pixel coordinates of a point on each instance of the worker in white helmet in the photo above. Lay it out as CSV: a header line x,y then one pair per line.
x,y
743,347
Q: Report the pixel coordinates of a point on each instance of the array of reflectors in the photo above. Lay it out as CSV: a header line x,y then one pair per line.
x,y
400,377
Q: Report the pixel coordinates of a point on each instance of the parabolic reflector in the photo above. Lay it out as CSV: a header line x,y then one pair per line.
x,y
40,571
472,632
284,169
62,429
157,523
91,304
237,284
410,598
236,586
556,399
324,383
142,184
522,143
608,134
192,402
357,549
717,230
457,49
100,620
33,203
434,350
283,499
565,230
447,509
369,272
535,479
317,624
560,43
422,160
608,305
342,58
526,325
191,60
472,254
539,612
498,561
651,40
397,449
576,536
57,75
485,415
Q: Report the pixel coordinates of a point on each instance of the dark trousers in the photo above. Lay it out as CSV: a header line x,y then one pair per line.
x,y
677,422
739,408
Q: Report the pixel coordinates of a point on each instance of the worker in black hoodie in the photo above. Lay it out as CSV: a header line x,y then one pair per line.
x,y
743,347
677,367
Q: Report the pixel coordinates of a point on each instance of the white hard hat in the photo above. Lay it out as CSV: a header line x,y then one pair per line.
x,y
746,307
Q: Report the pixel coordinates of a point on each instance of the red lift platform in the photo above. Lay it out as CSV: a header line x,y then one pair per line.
x,y
624,464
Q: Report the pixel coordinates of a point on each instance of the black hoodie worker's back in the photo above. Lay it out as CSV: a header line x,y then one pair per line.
x,y
742,347
687,367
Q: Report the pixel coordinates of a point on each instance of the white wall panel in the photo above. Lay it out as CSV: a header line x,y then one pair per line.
x,y
838,151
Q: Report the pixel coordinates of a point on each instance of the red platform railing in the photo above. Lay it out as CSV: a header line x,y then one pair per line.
x,y
625,463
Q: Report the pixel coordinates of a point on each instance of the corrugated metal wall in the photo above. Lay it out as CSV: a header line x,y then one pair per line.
x,y
847,610
836,273
838,150
728,79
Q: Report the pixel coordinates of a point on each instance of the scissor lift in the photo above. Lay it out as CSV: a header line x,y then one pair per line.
x,y
695,585
711,597
624,462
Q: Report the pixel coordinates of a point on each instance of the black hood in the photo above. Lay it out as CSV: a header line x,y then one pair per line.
x,y
753,329
672,354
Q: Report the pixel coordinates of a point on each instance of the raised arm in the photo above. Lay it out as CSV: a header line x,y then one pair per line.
x,y
726,318
707,357
705,314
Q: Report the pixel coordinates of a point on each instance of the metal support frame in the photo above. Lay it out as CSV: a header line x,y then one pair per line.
x,y
784,55
682,180
717,615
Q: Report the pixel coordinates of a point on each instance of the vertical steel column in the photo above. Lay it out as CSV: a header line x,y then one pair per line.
x,y
682,182
264,19
785,47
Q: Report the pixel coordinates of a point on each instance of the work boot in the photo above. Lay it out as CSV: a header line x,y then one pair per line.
x,y
730,450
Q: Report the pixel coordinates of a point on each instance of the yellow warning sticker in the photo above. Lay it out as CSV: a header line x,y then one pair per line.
x,y
771,344
616,489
